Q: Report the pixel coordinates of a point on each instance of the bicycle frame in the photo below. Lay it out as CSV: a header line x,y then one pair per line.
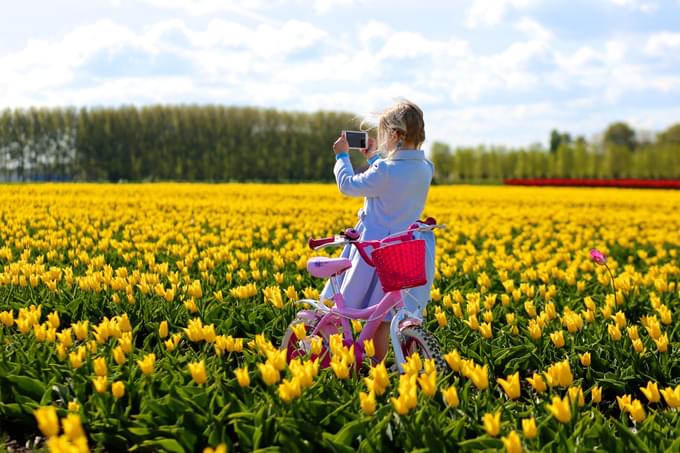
x,y
340,315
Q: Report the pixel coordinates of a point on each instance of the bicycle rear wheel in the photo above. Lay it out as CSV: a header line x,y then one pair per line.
x,y
416,339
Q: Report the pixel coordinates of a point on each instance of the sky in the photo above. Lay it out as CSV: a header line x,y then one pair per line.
x,y
494,72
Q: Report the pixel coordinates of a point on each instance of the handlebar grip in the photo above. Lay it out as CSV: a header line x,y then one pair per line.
x,y
314,243
429,221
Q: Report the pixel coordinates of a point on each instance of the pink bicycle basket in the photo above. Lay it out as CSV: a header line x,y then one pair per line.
x,y
400,265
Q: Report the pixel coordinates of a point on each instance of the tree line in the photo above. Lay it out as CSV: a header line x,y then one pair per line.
x,y
619,154
185,143
218,143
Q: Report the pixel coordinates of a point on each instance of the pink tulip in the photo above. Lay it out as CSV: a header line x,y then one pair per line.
x,y
598,257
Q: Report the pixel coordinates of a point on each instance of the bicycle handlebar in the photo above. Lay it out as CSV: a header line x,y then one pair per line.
x,y
317,243
351,236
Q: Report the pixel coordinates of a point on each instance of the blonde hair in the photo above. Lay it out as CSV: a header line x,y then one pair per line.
x,y
404,117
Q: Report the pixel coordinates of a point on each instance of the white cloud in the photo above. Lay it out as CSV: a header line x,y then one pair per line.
x,y
411,44
42,64
223,48
534,29
491,12
374,30
470,94
663,44
644,6
324,6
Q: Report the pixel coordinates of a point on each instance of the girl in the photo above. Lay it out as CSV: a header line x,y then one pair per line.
x,y
395,188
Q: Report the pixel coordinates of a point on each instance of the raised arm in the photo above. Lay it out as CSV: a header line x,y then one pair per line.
x,y
370,183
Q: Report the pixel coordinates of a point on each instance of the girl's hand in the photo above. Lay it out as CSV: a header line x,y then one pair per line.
x,y
371,150
341,145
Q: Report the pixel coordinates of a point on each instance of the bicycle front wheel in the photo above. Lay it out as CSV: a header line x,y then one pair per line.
x,y
416,339
299,348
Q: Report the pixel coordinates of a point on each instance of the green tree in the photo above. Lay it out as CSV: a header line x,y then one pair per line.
x,y
443,162
670,136
620,134
557,139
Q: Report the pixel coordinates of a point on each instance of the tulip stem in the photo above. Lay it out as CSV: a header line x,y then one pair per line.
x,y
611,279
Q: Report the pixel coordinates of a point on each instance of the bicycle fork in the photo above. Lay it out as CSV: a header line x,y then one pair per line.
x,y
394,336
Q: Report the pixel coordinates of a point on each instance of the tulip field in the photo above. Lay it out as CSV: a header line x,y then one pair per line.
x,y
148,317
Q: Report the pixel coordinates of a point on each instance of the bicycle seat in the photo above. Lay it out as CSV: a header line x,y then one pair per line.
x,y
322,267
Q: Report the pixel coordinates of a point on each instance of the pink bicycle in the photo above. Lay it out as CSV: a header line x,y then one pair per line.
x,y
399,260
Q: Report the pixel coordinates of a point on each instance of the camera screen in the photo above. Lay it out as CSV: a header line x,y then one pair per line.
x,y
356,139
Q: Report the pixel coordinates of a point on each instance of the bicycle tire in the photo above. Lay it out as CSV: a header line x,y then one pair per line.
x,y
290,343
416,339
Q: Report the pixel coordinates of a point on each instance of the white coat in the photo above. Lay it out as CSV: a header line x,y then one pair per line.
x,y
395,191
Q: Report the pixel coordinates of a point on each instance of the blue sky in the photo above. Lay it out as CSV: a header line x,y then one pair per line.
x,y
484,71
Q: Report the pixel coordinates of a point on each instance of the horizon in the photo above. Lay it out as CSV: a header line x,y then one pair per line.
x,y
493,73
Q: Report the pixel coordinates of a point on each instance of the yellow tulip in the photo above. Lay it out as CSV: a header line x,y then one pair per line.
x,y
119,355
451,396
163,329
118,389
535,331
242,376
7,318
585,359
441,318
538,383
480,377
529,428
147,364
576,394
369,347
379,378
340,367
472,322
100,384
317,344
400,405
453,359
413,364
596,394
289,389
672,396
492,423
560,409
636,411
77,357
100,366
661,343
559,374
511,385
485,330
47,419
197,370
277,358
367,402
638,346
125,342
299,330
53,319
221,448
557,338
270,375
428,383
624,401
73,429
512,443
